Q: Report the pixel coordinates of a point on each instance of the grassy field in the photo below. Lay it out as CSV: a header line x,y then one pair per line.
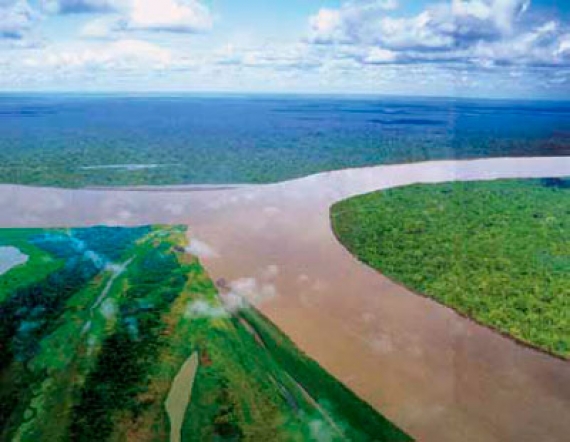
x,y
497,251
98,323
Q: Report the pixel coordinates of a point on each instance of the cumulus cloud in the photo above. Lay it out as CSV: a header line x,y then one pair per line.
x,y
563,49
539,46
201,250
440,25
16,19
328,25
340,24
240,295
481,33
250,290
360,46
169,15
236,295
178,16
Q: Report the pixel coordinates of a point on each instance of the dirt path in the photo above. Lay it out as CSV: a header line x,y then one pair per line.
x,y
437,375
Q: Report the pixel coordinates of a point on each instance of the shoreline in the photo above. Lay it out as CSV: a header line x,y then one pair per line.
x,y
193,187
518,341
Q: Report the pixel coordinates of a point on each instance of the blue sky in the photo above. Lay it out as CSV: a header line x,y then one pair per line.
x,y
478,48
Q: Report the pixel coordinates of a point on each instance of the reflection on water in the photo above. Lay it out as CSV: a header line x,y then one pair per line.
x,y
11,257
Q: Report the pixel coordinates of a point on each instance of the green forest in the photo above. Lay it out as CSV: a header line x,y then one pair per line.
x,y
497,251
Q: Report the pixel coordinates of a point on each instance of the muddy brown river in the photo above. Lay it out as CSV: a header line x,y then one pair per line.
x,y
437,375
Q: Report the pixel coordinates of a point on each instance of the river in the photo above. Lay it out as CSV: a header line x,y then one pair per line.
x,y
439,376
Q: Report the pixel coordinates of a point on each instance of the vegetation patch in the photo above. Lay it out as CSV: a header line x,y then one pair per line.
x,y
98,326
496,251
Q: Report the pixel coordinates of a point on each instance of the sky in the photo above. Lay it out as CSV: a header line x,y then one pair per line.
x,y
473,48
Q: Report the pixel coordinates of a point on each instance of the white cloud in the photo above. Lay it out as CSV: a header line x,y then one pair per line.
x,y
380,56
204,309
341,25
540,46
501,13
327,26
277,57
169,15
121,54
178,16
16,18
361,46
563,49
428,30
201,250
252,290
440,25
480,33
98,28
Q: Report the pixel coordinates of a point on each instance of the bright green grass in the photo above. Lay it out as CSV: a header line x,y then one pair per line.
x,y
496,251
89,353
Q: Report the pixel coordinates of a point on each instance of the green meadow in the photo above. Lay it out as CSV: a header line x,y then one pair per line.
x,y
498,252
98,323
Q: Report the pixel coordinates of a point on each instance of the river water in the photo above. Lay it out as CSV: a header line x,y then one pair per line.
x,y
10,257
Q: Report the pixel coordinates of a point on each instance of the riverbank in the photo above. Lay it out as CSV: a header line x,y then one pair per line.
x,y
496,252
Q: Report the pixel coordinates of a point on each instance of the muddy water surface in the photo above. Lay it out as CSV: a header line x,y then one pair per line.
x,y
437,375
180,395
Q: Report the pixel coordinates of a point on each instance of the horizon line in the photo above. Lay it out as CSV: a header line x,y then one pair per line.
x,y
245,94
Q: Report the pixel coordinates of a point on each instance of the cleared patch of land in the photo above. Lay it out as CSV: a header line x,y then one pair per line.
x,y
497,251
